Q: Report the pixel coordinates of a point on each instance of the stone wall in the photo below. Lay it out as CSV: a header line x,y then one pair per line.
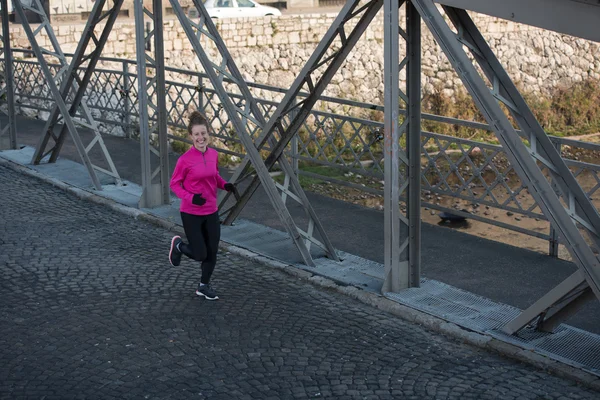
x,y
272,50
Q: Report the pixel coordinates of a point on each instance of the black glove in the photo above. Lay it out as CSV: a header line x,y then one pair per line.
x,y
198,200
229,187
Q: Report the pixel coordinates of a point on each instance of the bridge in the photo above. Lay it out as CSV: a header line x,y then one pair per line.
x,y
270,137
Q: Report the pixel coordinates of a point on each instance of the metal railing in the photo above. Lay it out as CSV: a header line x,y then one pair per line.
x,y
474,173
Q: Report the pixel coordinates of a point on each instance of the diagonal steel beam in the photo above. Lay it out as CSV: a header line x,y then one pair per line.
x,y
523,159
562,310
568,296
67,75
300,109
96,17
580,208
240,115
36,6
60,103
541,148
9,131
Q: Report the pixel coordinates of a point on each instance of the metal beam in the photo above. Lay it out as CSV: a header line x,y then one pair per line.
x,y
67,75
10,131
413,142
79,59
242,114
71,82
402,167
395,270
563,183
561,312
148,194
541,148
60,103
579,18
161,101
300,109
153,194
564,292
523,159
288,108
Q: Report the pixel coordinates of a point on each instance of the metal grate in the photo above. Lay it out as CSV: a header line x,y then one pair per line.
x,y
351,270
567,344
265,241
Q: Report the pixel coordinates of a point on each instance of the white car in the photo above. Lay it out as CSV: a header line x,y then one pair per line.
x,y
238,9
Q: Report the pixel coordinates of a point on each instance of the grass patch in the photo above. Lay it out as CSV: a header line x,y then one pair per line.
x,y
306,181
569,111
563,112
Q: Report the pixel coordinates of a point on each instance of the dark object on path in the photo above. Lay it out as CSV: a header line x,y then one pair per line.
x,y
451,217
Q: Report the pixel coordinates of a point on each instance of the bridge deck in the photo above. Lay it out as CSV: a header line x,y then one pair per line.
x,y
473,282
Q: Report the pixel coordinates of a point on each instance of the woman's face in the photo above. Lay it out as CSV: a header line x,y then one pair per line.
x,y
200,137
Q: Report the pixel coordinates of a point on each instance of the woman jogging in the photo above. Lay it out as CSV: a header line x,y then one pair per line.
x,y
195,181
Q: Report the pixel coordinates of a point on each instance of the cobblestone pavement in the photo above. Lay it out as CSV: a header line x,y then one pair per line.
x,y
90,308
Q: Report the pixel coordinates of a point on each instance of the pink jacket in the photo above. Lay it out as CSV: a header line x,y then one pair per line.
x,y
197,173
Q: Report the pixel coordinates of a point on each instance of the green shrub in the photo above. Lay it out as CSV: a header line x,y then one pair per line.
x,y
569,111
563,112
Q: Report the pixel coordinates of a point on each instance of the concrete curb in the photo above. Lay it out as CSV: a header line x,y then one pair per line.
x,y
378,301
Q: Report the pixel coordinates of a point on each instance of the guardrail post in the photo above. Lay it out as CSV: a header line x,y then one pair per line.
x,y
553,242
8,134
294,144
200,94
126,101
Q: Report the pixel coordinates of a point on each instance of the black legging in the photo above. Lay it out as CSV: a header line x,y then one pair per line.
x,y
203,233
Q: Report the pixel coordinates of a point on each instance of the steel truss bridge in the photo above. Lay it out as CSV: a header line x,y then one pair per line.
x,y
269,132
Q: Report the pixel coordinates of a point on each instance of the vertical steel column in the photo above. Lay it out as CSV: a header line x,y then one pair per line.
x,y
413,139
153,194
402,166
161,101
8,91
396,270
147,199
